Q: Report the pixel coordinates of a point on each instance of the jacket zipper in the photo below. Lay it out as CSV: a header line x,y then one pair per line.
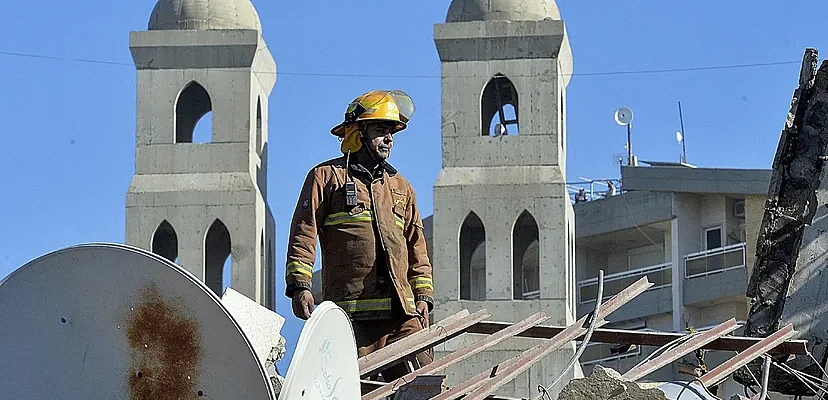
x,y
379,231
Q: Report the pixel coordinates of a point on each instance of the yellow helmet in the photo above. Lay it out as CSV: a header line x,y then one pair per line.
x,y
378,105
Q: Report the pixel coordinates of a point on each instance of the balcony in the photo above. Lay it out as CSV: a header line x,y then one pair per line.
x,y
715,276
656,300
715,261
660,275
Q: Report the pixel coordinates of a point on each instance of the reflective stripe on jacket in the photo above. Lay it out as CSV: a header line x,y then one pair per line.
x,y
385,221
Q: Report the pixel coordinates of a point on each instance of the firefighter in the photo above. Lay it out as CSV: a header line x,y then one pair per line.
x,y
374,260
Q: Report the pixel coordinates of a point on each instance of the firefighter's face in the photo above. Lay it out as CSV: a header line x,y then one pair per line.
x,y
379,139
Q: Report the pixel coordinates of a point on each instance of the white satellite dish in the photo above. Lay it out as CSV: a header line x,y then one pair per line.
x,y
679,137
108,321
324,365
685,391
623,116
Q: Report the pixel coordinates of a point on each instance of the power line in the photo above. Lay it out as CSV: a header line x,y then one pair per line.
x,y
688,69
347,75
58,58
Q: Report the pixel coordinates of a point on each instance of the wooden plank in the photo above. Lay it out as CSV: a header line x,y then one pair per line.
x,y
482,385
459,355
415,343
692,344
724,370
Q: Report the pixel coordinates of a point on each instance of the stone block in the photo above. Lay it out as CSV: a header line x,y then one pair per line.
x,y
608,384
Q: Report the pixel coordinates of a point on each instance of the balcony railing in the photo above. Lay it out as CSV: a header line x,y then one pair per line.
x,y
715,261
660,275
533,295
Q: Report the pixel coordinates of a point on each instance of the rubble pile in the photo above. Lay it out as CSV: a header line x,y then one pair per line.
x,y
606,383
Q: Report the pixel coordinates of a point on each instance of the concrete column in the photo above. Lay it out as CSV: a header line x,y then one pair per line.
x,y
499,276
191,253
678,275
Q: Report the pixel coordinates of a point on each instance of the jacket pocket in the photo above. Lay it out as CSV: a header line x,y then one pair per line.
x,y
399,216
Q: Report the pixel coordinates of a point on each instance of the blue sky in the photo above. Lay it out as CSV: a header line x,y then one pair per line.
x,y
69,127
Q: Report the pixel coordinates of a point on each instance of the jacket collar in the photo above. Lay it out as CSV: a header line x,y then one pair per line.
x,y
357,164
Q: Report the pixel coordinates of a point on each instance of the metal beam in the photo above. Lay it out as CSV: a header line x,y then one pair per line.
x,y
415,343
642,338
459,355
724,370
692,343
487,382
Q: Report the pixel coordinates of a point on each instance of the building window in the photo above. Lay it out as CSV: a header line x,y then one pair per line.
x,y
218,260
499,107
526,258
193,122
713,238
165,242
472,259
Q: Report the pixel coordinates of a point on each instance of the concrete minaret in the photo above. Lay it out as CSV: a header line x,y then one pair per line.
x,y
203,204
503,223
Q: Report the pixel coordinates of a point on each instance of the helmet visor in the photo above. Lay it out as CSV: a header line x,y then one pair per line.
x,y
404,103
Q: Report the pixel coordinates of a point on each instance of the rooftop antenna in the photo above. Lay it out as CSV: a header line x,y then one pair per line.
x,y
624,117
680,136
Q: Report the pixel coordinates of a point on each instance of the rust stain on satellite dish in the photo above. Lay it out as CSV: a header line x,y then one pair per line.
x,y
166,350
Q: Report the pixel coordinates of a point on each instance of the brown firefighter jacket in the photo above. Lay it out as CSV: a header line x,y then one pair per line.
x,y
374,259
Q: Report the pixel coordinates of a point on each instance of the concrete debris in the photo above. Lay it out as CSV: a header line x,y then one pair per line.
x,y
277,382
276,354
787,283
263,328
606,383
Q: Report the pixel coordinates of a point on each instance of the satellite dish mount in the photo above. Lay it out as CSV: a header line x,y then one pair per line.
x,y
683,148
624,116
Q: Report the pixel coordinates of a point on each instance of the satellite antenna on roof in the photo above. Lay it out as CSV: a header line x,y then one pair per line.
x,y
624,117
109,321
683,148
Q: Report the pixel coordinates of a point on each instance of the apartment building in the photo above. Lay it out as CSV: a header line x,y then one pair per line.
x,y
692,232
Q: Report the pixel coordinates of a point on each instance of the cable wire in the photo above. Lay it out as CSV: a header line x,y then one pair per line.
x,y
406,76
763,394
596,319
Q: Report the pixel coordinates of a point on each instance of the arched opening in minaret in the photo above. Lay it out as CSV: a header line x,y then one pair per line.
x,y
526,258
218,260
193,115
264,271
472,258
165,241
499,107
259,126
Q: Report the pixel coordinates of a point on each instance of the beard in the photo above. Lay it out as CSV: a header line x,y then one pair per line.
x,y
381,152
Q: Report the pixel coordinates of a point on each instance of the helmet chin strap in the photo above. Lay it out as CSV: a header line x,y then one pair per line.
x,y
369,151
367,148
